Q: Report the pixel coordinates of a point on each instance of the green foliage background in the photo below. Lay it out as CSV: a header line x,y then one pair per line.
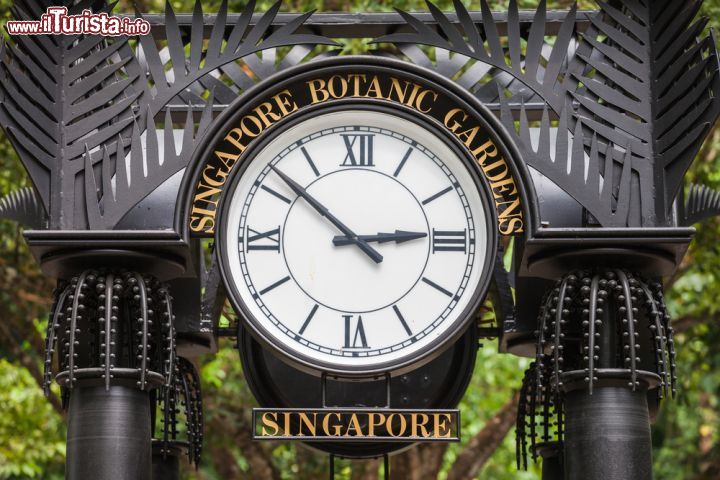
x,y
686,435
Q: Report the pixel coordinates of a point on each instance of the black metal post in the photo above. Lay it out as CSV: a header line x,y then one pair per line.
x,y
607,429
607,434
166,462
552,460
604,342
114,338
108,434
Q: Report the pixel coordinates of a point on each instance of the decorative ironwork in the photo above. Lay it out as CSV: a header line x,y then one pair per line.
x,y
91,109
182,395
623,337
636,89
114,326
702,203
598,298
540,416
24,207
61,95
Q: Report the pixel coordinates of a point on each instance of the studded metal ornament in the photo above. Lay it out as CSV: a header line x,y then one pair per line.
x,y
183,395
594,327
115,327
643,332
540,415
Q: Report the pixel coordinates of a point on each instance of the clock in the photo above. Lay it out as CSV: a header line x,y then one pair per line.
x,y
357,239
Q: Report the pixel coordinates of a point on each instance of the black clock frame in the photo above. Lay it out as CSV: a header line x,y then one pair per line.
x,y
305,362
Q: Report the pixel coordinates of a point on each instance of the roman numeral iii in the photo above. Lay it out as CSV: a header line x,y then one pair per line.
x,y
354,337
359,150
449,241
269,240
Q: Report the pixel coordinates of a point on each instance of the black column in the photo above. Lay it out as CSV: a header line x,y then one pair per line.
x,y
108,434
166,462
604,346
607,434
113,334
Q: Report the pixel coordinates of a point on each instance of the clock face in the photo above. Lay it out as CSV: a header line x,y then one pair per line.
x,y
356,241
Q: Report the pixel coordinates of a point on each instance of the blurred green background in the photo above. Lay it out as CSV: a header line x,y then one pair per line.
x,y
685,436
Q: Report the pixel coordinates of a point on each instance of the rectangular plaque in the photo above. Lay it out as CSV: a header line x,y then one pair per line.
x,y
352,424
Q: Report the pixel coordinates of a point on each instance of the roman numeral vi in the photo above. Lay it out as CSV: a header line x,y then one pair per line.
x,y
352,338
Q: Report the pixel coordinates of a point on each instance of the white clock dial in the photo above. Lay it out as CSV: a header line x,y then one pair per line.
x,y
356,239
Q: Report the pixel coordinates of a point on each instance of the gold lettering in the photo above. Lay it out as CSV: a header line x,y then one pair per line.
x,y
218,181
515,225
269,419
284,103
264,110
415,425
205,196
200,224
354,424
421,97
491,172
286,424
318,86
395,87
507,211
372,423
502,186
389,425
374,88
450,117
442,429
483,151
411,100
326,425
254,121
305,420
468,136
235,140
332,83
355,79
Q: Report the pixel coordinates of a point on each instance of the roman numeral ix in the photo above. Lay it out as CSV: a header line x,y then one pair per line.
x,y
269,240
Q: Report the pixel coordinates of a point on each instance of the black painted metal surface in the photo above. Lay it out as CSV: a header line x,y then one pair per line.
x,y
607,435
108,434
440,383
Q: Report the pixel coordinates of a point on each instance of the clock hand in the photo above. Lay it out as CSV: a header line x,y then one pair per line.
x,y
323,211
400,236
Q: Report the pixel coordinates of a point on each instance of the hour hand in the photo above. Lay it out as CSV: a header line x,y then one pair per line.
x,y
400,236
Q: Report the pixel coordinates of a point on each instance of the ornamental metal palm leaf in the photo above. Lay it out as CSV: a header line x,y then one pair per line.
x,y
650,83
59,95
702,203
532,65
226,44
636,93
186,72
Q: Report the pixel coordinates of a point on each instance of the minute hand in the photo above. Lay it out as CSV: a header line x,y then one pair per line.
x,y
399,236
322,210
